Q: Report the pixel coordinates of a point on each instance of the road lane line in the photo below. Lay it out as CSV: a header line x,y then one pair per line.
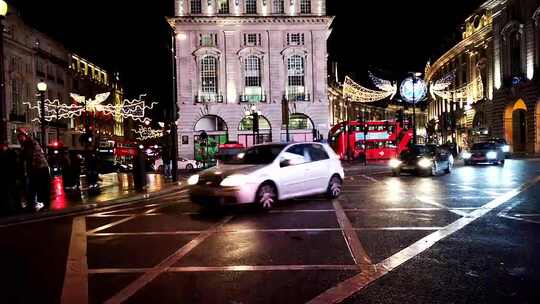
x,y
75,288
116,223
358,253
427,200
236,268
370,178
154,272
187,232
527,214
518,219
355,284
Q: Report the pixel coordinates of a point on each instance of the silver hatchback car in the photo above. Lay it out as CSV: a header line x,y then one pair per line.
x,y
265,174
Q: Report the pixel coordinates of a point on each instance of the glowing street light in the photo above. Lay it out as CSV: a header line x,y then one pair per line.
x,y
3,123
42,88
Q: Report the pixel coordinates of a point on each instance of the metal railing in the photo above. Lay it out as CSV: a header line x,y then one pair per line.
x,y
209,98
252,98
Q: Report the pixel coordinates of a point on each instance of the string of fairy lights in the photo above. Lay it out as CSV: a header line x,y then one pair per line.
x,y
470,92
358,93
146,133
54,109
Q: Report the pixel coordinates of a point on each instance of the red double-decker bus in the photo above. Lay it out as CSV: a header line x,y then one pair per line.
x,y
375,140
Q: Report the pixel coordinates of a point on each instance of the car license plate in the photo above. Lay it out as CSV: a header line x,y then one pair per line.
x,y
479,158
408,167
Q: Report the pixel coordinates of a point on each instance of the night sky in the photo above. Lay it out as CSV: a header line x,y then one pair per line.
x,y
389,38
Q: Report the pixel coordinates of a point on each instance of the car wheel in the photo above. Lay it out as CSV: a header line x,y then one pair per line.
x,y
396,172
449,169
434,169
189,167
266,196
501,163
334,187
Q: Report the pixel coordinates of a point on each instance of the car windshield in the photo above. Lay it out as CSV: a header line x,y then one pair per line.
x,y
260,155
419,150
484,146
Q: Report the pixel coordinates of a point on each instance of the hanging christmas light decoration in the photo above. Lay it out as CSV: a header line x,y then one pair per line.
x,y
444,82
135,110
382,84
358,93
55,110
145,133
470,92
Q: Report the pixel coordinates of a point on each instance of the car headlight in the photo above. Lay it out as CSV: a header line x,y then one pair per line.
x,y
394,163
506,148
425,163
234,180
193,180
466,155
491,155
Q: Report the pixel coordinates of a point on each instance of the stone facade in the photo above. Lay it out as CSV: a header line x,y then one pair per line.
x,y
501,42
267,55
31,56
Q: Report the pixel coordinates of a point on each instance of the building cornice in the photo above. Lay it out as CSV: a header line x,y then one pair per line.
x,y
483,35
491,4
239,20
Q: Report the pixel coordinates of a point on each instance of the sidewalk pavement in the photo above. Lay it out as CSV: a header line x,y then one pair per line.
x,y
115,188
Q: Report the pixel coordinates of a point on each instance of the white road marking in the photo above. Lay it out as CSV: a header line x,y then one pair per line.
x,y
75,289
358,253
519,219
154,272
527,214
429,201
370,178
116,223
355,284
221,231
236,268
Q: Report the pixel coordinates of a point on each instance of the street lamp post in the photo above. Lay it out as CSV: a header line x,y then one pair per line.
x,y
172,124
415,79
42,88
3,122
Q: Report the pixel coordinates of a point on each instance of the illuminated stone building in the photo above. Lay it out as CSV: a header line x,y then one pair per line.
x,y
496,90
31,56
236,54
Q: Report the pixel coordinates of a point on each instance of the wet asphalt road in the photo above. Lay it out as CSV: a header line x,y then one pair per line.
x,y
467,237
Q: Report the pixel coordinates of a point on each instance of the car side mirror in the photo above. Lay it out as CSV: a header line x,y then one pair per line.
x,y
285,163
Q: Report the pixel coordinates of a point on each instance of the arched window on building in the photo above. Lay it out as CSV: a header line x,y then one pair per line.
x,y
196,6
223,6
536,24
514,51
296,90
209,79
251,6
305,6
278,6
253,91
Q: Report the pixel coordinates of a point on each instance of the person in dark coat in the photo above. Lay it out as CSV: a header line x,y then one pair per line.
x,y
37,170
139,170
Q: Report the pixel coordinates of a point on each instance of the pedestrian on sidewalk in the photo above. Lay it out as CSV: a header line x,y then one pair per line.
x,y
37,171
167,162
139,171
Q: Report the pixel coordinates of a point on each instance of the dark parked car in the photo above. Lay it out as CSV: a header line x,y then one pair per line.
x,y
484,153
423,160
